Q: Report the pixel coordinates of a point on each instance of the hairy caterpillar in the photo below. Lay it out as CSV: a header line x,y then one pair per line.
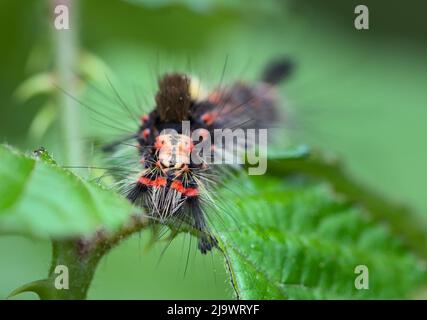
x,y
169,183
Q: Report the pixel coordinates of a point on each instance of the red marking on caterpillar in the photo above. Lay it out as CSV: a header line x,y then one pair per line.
x,y
144,118
146,133
144,180
191,192
177,185
158,144
209,118
158,182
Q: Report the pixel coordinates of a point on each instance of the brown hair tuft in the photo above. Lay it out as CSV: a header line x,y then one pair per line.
x,y
173,98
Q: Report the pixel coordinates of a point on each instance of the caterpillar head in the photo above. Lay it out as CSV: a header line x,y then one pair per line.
x,y
173,150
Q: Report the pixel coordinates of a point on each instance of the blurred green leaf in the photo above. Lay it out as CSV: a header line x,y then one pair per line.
x,y
42,121
296,240
38,198
38,84
195,5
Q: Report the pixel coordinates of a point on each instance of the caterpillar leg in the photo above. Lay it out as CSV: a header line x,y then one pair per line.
x,y
206,241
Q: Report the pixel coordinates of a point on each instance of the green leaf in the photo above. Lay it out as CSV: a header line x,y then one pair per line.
x,y
39,198
41,83
199,6
206,5
295,239
42,121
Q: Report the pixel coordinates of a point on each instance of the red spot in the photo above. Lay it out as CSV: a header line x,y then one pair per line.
x,y
144,180
144,118
191,192
146,133
159,143
159,182
177,185
209,117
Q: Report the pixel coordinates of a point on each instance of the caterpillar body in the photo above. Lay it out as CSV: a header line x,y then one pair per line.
x,y
170,184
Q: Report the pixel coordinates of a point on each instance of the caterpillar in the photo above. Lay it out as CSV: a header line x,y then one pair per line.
x,y
169,183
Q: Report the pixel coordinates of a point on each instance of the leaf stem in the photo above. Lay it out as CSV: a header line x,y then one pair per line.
x,y
66,51
81,257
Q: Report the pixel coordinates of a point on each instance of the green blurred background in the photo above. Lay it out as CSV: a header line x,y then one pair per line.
x,y
361,95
